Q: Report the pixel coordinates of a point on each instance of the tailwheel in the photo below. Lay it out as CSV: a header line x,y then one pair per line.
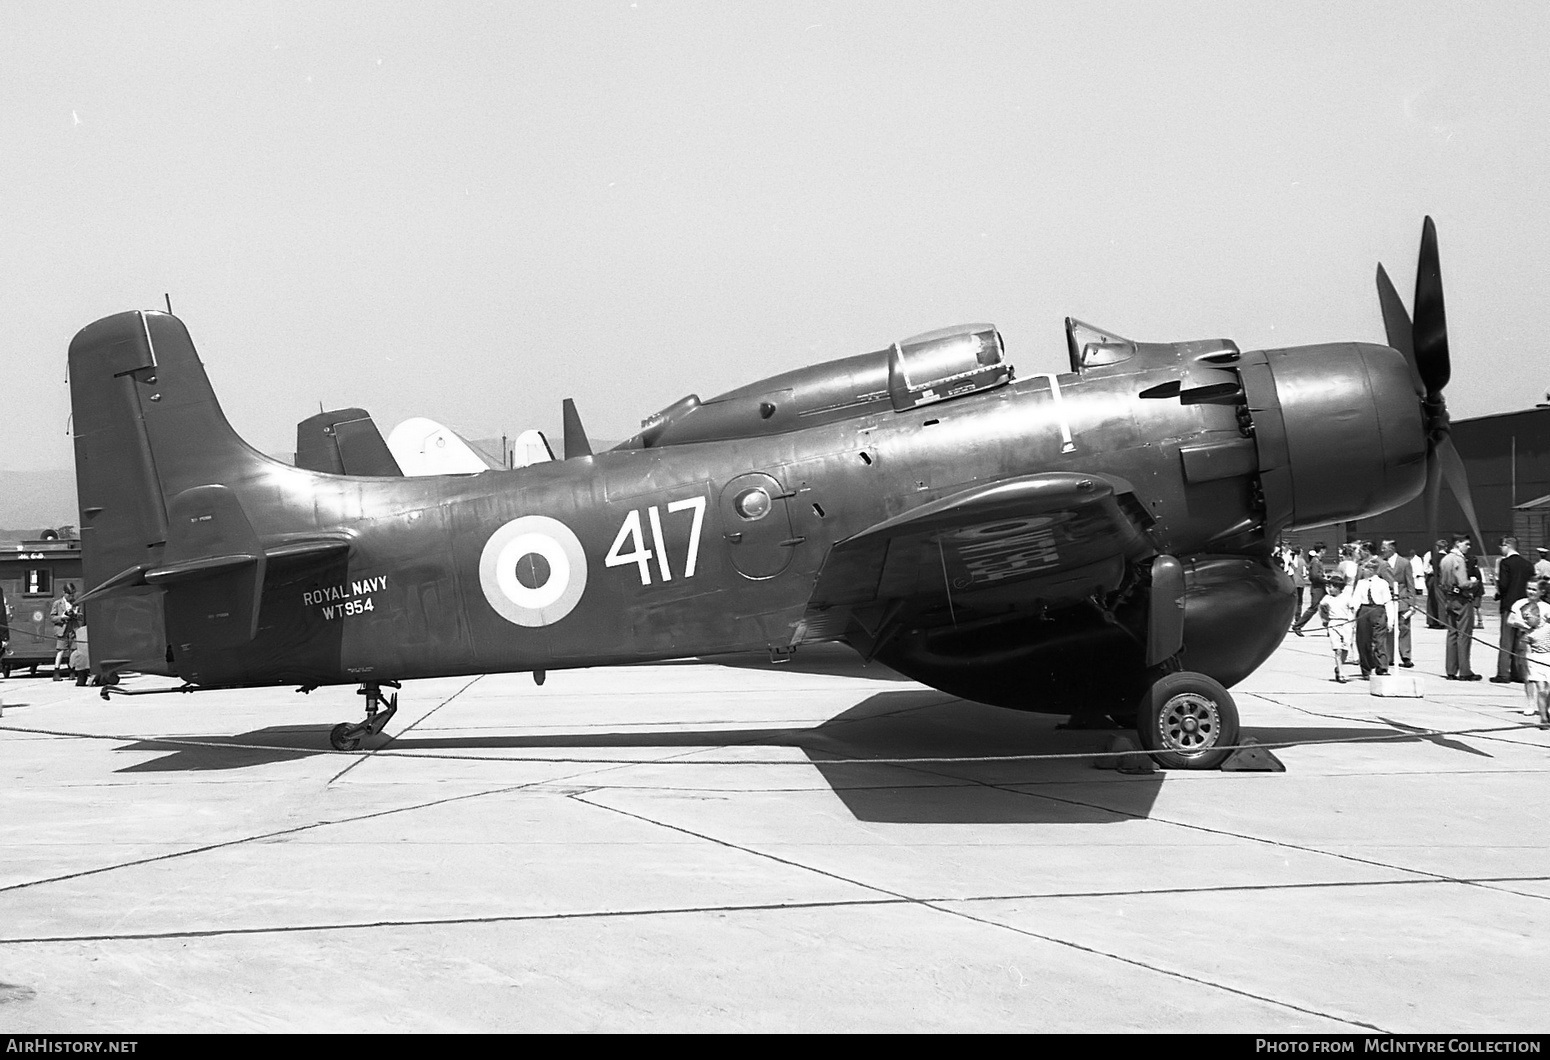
x,y
347,736
1188,721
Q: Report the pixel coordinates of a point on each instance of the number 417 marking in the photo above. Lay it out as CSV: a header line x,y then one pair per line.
x,y
641,556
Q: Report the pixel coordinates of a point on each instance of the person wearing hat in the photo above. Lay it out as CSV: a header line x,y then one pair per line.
x,y
1542,568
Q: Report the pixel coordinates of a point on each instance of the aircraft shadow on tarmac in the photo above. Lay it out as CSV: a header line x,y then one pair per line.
x,y
258,747
965,782
969,779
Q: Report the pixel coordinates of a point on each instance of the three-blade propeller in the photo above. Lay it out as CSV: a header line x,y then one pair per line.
x,y
1424,345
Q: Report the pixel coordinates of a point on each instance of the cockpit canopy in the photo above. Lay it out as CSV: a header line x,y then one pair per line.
x,y
937,366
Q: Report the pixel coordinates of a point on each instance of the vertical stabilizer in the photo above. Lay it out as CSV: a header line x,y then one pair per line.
x,y
147,427
576,443
344,442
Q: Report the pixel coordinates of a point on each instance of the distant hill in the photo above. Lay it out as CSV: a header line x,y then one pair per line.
x,y
33,500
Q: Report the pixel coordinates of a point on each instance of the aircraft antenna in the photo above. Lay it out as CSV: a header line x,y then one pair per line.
x,y
168,299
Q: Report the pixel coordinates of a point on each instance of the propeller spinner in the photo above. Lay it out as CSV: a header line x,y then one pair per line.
x,y
1424,345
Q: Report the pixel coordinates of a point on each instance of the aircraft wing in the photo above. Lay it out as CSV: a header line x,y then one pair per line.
x,y
1022,545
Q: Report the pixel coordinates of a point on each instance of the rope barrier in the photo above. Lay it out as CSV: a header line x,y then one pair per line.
x,y
1391,736
45,638
1526,656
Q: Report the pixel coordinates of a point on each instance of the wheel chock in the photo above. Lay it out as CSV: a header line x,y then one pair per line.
x,y
1124,756
1251,758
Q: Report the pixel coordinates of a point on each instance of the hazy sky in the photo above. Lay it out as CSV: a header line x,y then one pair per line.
x,y
470,211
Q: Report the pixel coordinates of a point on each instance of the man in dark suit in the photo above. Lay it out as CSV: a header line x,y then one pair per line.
x,y
1405,596
1432,563
1512,577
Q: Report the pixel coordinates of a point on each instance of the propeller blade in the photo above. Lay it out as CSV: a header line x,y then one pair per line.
x,y
1446,456
1396,325
1431,322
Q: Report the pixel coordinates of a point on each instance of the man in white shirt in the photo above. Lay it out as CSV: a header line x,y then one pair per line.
x,y
1372,597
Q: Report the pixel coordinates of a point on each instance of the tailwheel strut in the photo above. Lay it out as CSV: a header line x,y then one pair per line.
x,y
347,736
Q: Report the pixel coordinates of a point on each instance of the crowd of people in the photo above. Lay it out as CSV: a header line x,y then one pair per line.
x,y
1364,600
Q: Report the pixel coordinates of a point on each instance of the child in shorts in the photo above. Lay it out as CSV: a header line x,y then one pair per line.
x,y
1536,638
1339,615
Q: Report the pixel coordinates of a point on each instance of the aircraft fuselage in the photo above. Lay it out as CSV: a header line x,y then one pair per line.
x,y
713,547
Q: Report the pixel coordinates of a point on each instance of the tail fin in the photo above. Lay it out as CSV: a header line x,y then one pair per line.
x,y
344,442
147,428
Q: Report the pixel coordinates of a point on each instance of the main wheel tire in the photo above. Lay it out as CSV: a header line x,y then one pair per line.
x,y
1188,721
342,739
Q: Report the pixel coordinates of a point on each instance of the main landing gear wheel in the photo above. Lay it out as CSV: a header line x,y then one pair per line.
x,y
1188,721
347,736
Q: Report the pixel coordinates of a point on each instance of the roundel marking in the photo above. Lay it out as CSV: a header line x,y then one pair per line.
x,y
1007,527
533,571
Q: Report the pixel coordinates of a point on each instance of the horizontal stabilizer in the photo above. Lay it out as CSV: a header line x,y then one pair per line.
x,y
288,547
190,570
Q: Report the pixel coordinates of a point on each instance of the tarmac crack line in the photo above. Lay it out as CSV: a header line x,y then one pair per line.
x,y
510,918
298,829
262,836
1135,962
1523,728
934,906
1278,843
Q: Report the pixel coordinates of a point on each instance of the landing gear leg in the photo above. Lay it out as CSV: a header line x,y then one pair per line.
x,y
347,737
